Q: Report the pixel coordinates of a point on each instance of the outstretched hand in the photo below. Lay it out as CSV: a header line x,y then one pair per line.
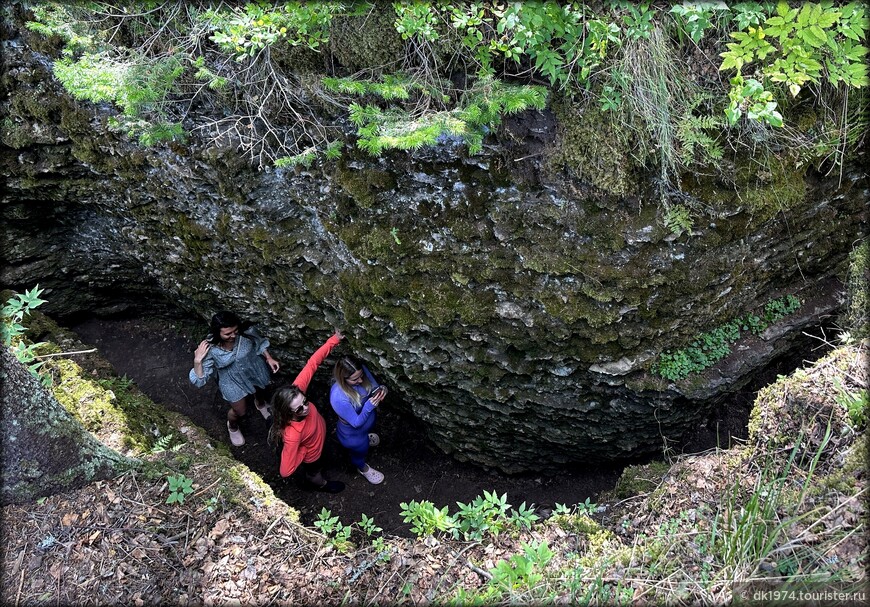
x,y
339,334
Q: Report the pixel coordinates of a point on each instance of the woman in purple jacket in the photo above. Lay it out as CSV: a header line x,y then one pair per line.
x,y
355,397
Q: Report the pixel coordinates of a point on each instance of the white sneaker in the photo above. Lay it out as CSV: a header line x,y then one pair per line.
x,y
265,410
236,437
374,440
373,476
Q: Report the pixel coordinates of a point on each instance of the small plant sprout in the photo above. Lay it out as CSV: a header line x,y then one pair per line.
x,y
561,509
587,507
337,533
179,488
212,503
368,526
394,232
523,517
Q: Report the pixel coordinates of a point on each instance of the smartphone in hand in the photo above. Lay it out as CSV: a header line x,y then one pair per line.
x,y
376,392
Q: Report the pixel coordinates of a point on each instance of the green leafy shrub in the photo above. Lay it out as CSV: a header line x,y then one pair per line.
x,y
809,43
694,18
522,571
245,31
484,515
337,533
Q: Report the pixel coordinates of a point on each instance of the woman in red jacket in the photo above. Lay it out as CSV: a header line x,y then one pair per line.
x,y
297,423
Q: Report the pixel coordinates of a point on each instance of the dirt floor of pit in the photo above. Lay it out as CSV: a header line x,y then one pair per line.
x,y
157,355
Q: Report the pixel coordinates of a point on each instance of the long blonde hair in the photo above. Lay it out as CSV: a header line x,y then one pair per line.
x,y
344,368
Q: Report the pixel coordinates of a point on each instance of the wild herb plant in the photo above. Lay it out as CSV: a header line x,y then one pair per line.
x,y
483,516
587,507
337,533
211,504
809,43
180,487
426,519
523,518
562,509
246,31
522,574
855,402
638,18
12,330
694,18
370,530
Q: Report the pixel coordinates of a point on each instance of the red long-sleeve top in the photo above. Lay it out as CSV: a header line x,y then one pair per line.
x,y
303,440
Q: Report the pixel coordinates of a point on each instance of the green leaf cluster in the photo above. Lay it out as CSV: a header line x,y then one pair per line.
x,y
486,515
712,346
678,219
426,519
337,532
694,18
561,41
180,487
522,571
813,42
245,31
638,19
12,330
416,19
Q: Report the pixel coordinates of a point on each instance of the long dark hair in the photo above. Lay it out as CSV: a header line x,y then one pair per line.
x,y
283,413
222,320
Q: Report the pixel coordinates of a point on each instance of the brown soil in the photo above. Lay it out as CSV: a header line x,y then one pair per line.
x,y
157,355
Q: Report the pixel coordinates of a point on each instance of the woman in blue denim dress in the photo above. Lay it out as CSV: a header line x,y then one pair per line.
x,y
240,357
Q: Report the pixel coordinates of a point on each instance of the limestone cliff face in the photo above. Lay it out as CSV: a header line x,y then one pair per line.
x,y
515,299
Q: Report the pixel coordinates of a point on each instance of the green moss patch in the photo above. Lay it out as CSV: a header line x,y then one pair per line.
x,y
639,479
589,148
110,408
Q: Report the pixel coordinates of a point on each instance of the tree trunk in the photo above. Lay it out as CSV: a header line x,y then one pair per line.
x,y
43,449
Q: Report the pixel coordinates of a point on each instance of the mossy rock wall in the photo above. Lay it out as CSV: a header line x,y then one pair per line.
x,y
516,317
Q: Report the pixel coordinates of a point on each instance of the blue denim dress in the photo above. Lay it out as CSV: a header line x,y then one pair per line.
x,y
239,372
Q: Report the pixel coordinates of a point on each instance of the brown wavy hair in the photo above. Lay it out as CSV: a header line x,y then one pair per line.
x,y
283,412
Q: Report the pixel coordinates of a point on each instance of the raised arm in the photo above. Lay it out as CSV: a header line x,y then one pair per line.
x,y
304,378
203,365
